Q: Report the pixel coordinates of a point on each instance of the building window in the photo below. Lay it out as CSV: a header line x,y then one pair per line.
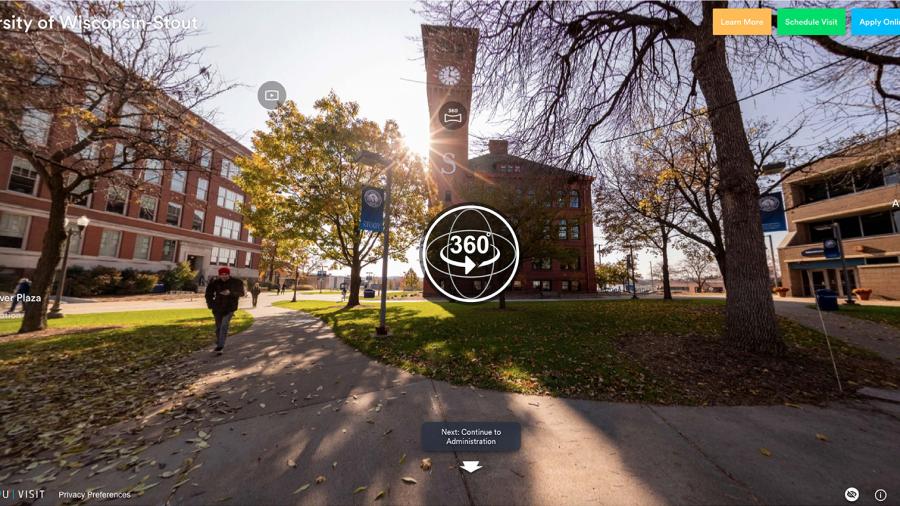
x,y
173,214
142,247
95,101
23,178
223,256
224,227
81,194
168,250
877,223
229,169
183,147
882,260
576,286
229,199
247,259
75,244
124,159
545,285
574,230
892,174
517,284
36,126
44,74
573,265
574,198
896,214
536,284
148,208
179,181
153,172
563,230
564,286
92,150
197,222
202,188
820,231
205,157
109,243
541,264
130,117
814,192
116,199
12,230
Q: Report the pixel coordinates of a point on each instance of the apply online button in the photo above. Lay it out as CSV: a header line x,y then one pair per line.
x,y
875,21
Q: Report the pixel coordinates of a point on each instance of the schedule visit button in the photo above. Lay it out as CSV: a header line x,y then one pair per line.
x,y
812,21
875,21
741,21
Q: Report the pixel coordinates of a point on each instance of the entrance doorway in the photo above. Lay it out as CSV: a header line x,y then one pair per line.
x,y
832,279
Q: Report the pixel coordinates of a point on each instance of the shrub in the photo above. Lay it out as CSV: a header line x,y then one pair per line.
x,y
96,281
137,282
178,277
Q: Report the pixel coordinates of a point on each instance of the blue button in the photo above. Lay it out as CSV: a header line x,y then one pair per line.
x,y
875,21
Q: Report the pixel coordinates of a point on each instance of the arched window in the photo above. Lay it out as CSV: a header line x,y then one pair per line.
x,y
574,199
563,230
574,230
561,198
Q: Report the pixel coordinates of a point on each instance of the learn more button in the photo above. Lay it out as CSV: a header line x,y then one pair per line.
x,y
875,21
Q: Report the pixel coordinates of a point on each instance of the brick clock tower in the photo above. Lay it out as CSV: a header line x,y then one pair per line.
x,y
449,65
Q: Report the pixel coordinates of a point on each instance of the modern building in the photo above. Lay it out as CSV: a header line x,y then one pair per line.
x,y
149,216
856,189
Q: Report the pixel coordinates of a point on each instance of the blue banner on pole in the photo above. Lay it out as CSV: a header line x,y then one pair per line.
x,y
372,209
831,248
771,209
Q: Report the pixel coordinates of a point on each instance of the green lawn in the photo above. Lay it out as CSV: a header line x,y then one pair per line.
x,y
55,390
886,315
647,350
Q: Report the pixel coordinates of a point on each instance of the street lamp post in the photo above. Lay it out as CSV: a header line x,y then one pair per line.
x,y
633,279
72,228
296,279
370,158
837,236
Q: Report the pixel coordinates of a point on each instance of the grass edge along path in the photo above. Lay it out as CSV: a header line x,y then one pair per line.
x,y
56,392
654,351
885,315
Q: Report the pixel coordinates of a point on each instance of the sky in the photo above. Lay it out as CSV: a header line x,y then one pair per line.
x,y
369,52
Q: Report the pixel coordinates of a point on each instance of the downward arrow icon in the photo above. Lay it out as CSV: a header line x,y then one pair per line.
x,y
471,465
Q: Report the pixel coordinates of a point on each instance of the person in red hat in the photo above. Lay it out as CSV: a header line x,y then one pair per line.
x,y
222,296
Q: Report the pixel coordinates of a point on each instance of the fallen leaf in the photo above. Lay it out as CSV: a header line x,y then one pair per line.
x,y
425,464
301,489
262,405
320,479
291,463
334,465
379,495
403,458
765,451
821,437
360,489
792,405
409,479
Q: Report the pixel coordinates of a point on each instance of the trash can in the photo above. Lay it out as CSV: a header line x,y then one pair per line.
x,y
827,300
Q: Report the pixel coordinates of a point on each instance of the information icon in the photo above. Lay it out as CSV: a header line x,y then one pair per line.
x,y
470,253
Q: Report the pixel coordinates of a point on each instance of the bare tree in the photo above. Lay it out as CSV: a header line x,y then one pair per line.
x,y
570,68
697,264
87,108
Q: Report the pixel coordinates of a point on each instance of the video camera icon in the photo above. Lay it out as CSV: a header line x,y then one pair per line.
x,y
271,94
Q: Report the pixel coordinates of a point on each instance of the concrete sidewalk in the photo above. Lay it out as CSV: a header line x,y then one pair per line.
x,y
288,402
882,339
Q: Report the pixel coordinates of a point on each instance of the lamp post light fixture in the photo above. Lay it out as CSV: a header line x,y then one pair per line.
x,y
375,159
72,228
296,260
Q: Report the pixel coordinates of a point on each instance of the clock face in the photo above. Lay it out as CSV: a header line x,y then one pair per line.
x,y
449,75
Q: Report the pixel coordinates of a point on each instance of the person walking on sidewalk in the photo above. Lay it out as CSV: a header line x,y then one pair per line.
x,y
222,296
255,293
23,288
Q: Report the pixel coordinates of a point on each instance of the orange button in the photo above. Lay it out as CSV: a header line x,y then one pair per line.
x,y
742,21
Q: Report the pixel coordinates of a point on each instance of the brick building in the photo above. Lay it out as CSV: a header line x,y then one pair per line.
x,y
571,226
188,216
166,193
856,188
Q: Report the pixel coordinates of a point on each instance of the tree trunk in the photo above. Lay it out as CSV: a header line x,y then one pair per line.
x,y
667,285
353,298
503,299
750,321
42,283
